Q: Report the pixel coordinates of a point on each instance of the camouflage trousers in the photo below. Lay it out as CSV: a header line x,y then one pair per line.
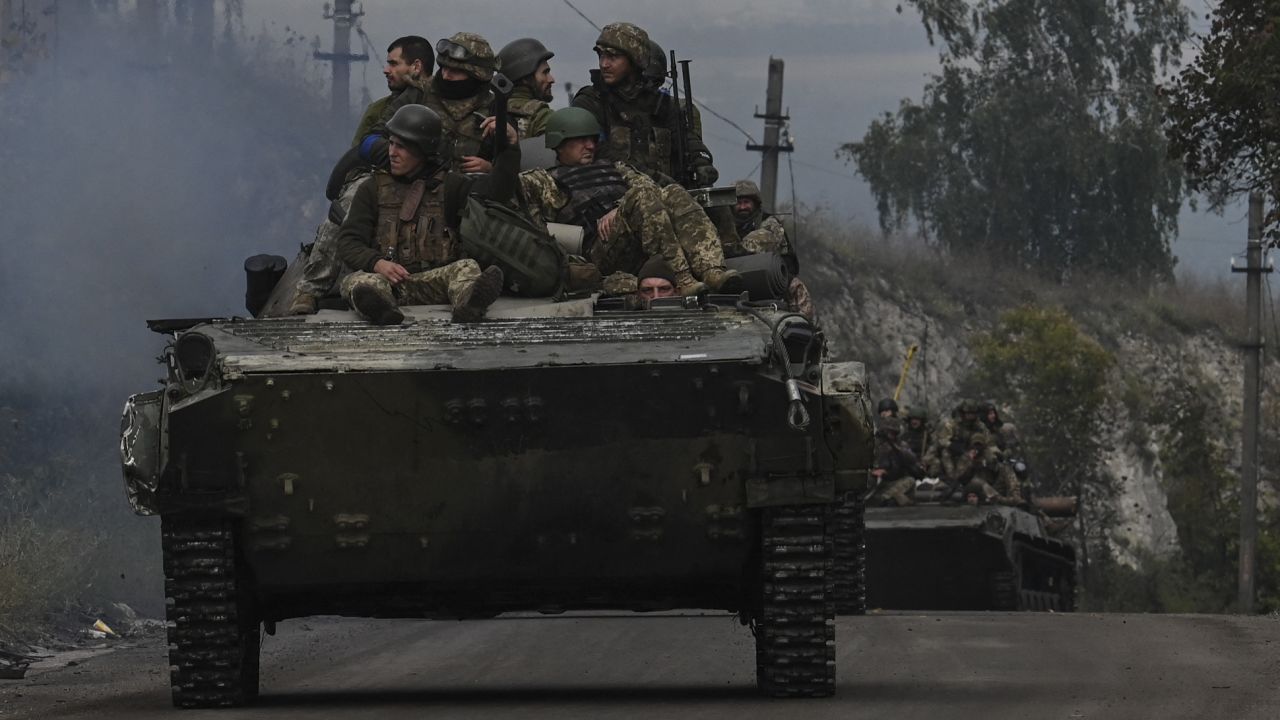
x,y
323,271
641,230
437,286
697,234
1002,487
799,300
897,492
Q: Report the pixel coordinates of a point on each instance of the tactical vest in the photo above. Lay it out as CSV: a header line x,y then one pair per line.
x,y
411,227
461,121
593,190
638,130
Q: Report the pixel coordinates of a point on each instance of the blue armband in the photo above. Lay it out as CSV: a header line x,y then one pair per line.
x,y
366,147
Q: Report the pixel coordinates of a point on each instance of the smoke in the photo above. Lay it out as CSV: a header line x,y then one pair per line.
x,y
136,175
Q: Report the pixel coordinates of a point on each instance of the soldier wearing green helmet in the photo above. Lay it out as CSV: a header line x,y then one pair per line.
x,y
625,217
397,234
918,434
526,63
639,120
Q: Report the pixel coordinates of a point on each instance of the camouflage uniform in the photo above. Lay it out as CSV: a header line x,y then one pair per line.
x,y
639,120
529,112
461,117
762,233
919,439
646,225
437,286
323,270
899,465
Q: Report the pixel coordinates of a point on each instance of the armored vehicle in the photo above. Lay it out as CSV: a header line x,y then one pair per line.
x,y
557,457
932,556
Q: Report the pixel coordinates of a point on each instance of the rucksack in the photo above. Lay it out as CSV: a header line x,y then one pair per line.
x,y
532,262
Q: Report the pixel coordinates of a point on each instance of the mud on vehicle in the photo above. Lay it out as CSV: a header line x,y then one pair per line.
x,y
559,457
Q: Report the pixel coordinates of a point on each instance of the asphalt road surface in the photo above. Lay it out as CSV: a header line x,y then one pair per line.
x,y
901,666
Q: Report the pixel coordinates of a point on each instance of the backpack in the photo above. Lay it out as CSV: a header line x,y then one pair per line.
x,y
532,262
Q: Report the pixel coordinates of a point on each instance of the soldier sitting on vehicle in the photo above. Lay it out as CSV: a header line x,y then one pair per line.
x,y
526,63
887,408
625,217
983,477
1003,433
756,231
896,468
396,232
918,435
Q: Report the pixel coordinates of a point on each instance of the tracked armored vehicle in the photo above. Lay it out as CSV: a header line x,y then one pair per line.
x,y
932,556
558,457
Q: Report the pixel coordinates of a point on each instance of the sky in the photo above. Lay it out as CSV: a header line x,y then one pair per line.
x,y
847,62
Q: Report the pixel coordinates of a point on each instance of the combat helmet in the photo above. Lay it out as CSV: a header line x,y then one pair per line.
x,y
419,126
888,404
918,413
519,59
747,189
655,70
469,53
628,39
568,123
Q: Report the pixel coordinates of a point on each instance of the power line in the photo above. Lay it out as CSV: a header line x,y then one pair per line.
x,y
582,15
795,209
828,171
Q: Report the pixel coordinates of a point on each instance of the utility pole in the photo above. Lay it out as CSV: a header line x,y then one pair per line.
x,y
1252,404
774,121
343,15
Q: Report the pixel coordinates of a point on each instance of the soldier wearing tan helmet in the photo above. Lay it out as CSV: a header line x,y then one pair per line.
x,y
639,120
759,232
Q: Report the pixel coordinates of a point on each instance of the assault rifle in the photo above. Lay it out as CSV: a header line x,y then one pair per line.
x,y
502,88
684,171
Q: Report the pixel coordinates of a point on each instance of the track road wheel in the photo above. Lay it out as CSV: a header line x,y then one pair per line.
x,y
849,566
795,630
213,633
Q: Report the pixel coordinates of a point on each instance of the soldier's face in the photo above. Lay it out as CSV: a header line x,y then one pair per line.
x,y
397,71
449,74
654,287
614,67
915,423
577,151
543,80
403,159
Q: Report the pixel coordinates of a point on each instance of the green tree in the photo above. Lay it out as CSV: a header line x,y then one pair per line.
x,y
1223,116
1055,379
1040,140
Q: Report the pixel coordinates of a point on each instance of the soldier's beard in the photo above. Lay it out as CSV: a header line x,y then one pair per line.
x,y
456,89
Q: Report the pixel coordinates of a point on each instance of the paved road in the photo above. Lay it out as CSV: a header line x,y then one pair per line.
x,y
901,666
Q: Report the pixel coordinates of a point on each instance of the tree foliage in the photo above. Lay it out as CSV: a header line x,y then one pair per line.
x,y
1040,140
1224,109
1055,379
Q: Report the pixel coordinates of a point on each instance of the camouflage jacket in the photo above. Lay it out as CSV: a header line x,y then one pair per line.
x,y
461,118
640,123
378,227
765,233
545,198
896,459
529,112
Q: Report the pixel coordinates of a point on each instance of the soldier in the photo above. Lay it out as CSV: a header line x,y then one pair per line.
x,y
1004,434
396,234
887,408
459,94
526,63
918,435
896,468
627,219
640,122
656,279
756,231
962,424
982,477
408,62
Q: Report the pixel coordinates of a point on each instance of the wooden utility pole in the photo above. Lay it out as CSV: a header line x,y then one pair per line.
x,y
1253,346
343,16
773,143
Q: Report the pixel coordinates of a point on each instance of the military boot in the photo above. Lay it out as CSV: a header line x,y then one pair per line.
x,y
687,285
724,280
476,299
303,304
375,306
